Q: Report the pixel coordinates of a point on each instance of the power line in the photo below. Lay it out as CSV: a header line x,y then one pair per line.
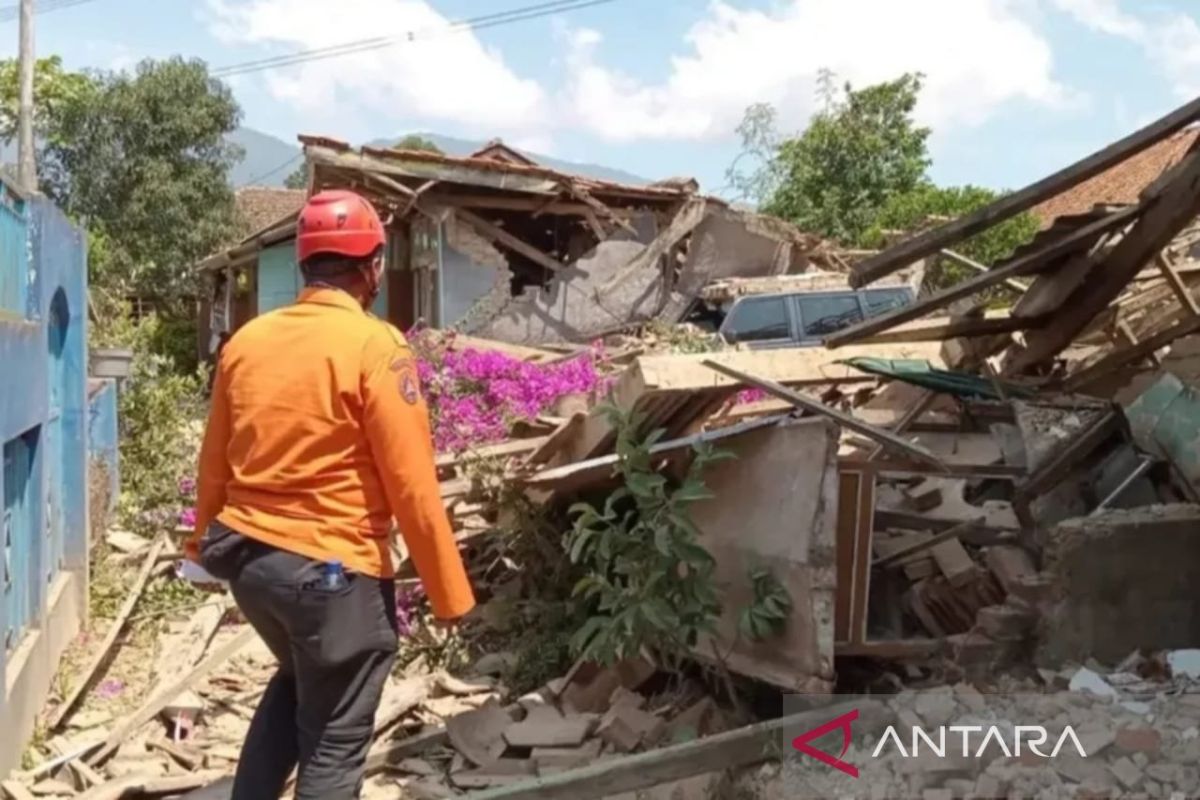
x,y
10,12
379,42
269,173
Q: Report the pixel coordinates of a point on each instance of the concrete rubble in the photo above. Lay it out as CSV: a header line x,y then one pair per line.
x,y
978,515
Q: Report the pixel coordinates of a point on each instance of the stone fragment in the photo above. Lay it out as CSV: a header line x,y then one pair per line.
x,y
1126,772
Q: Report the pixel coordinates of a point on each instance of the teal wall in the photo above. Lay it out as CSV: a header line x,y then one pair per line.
x,y
279,280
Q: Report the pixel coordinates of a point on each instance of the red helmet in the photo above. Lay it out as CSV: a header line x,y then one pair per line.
x,y
340,223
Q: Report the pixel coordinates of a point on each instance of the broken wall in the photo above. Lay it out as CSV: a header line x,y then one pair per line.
x,y
571,309
775,507
727,244
1122,580
475,275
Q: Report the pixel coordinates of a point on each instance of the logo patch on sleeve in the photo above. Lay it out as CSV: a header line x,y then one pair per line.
x,y
406,378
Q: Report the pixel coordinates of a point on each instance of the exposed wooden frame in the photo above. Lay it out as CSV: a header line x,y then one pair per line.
x,y
883,437
1121,358
1021,266
499,236
1009,205
1059,467
1176,283
953,532
942,328
534,204
598,207
1165,215
971,264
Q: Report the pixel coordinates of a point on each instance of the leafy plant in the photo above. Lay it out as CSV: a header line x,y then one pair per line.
x,y
647,580
768,612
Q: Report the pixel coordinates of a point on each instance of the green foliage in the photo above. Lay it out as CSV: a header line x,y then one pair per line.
x,y
54,90
913,209
160,406
415,141
769,610
646,579
858,152
143,160
298,179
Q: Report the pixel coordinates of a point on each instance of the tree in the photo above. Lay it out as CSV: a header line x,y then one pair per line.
x,y
928,203
856,153
144,161
298,179
54,89
415,141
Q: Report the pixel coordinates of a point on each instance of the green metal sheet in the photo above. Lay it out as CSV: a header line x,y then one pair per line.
x,y
919,372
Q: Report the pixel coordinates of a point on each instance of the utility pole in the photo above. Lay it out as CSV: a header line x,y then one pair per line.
x,y
26,164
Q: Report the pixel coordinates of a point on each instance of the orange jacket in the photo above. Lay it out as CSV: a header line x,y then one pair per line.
x,y
318,436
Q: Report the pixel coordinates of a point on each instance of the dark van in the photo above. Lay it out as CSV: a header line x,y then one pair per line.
x,y
803,319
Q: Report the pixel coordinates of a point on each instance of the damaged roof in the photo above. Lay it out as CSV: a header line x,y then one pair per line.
x,y
484,171
1121,184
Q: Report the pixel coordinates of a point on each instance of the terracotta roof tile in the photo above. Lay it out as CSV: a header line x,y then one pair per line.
x,y
259,206
1121,184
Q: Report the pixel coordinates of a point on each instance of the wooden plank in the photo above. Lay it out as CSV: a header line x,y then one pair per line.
x,y
953,532
498,235
89,673
599,208
684,223
1177,286
1166,215
1115,361
1058,468
1009,205
499,202
942,328
971,264
1026,264
911,415
16,791
883,437
156,704
513,447
738,748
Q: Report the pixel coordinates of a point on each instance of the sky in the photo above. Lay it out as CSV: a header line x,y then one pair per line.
x,y
1014,88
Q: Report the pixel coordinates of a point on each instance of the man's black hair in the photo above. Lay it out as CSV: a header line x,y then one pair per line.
x,y
330,266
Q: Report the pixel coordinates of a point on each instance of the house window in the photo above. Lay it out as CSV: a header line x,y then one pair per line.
x,y
824,314
759,320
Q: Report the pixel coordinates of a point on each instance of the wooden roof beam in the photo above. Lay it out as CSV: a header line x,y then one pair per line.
x,y
1008,206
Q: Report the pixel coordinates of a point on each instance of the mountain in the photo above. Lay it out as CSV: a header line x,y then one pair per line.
x,y
267,161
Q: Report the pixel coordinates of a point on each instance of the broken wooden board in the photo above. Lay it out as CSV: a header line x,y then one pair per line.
x,y
884,437
84,680
765,516
742,747
1009,205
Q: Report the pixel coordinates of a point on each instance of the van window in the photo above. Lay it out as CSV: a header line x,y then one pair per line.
x,y
879,301
759,320
824,314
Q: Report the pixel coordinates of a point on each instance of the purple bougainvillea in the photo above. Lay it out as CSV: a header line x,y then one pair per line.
x,y
475,397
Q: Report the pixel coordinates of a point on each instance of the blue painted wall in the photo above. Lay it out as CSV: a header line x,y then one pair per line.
x,y
279,280
43,409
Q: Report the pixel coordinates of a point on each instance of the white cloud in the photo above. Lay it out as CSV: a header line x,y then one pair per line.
x,y
1171,40
438,76
976,54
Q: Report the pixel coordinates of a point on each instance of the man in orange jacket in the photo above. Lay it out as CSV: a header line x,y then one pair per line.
x,y
317,438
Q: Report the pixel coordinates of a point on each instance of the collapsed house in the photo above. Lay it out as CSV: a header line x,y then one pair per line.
x,y
499,247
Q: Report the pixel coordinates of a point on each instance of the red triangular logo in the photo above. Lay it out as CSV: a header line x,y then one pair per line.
x,y
801,743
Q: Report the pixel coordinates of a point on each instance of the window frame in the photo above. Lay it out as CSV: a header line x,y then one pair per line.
x,y
788,310
801,336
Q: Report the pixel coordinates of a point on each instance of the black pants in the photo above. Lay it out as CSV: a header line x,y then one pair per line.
x,y
335,652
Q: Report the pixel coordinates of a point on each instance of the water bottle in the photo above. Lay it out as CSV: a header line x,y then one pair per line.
x,y
334,578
